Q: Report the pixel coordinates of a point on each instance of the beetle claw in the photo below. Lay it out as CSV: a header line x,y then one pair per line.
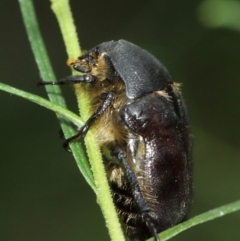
x,y
66,146
149,221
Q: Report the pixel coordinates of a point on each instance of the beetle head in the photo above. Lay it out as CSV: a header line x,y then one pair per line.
x,y
85,63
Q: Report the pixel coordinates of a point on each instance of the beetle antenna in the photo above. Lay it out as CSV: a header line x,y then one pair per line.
x,y
41,83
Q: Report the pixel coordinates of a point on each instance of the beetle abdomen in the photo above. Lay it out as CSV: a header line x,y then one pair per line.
x,y
167,169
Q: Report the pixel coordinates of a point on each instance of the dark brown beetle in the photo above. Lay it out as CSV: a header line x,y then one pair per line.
x,y
142,128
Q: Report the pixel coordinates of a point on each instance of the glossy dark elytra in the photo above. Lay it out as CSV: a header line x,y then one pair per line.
x,y
142,128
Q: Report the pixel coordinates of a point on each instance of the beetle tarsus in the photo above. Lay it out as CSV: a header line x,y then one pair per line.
x,y
66,146
70,79
148,220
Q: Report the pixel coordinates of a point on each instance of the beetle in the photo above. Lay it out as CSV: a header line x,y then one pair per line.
x,y
142,128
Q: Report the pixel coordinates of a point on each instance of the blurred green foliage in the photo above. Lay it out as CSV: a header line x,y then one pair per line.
x,y
42,194
220,13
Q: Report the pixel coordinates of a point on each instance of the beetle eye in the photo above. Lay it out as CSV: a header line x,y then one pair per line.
x,y
94,55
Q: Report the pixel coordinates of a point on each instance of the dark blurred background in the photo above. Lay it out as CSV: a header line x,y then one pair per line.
x,y
43,197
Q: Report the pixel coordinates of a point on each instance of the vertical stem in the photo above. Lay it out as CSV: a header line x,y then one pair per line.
x,y
54,92
63,13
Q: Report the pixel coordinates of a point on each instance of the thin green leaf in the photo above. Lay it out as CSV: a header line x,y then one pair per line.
x,y
43,102
54,92
202,218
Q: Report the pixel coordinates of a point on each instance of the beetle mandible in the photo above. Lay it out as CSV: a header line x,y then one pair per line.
x,y
140,119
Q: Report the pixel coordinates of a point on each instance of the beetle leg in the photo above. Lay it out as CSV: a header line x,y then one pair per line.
x,y
147,219
84,129
70,79
121,156
138,197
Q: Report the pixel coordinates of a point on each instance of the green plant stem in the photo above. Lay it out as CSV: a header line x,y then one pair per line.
x,y
62,11
54,92
202,218
43,102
